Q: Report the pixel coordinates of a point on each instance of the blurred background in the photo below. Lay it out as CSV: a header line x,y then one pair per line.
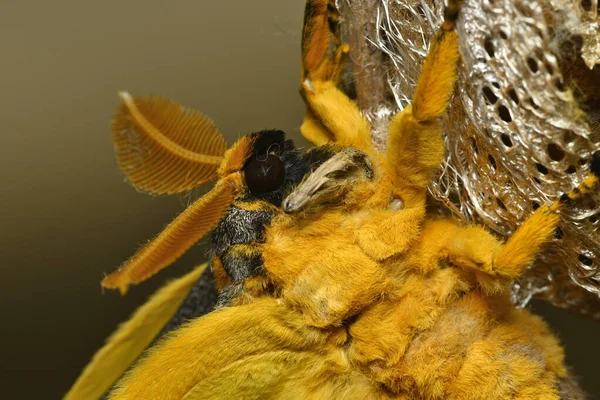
x,y
68,217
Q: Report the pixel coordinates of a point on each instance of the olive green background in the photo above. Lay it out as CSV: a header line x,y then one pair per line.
x,y
67,216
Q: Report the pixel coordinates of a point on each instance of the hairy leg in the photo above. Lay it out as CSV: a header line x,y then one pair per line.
x,y
415,147
331,115
522,247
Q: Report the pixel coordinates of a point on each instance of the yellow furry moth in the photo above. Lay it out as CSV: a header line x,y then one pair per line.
x,y
333,280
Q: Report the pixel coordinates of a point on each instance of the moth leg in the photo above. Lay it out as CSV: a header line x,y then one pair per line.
x,y
494,264
331,115
415,144
314,131
497,264
320,31
523,246
438,74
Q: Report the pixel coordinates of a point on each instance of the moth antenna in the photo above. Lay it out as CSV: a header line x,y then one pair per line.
x,y
163,147
183,232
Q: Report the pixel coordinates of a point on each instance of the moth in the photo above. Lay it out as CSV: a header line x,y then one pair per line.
x,y
333,280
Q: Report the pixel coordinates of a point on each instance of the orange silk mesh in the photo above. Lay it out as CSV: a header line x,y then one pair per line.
x,y
185,230
164,148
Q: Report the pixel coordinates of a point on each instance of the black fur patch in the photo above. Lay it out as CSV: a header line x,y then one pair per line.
x,y
264,140
595,165
565,199
200,300
229,293
314,158
451,13
239,227
240,266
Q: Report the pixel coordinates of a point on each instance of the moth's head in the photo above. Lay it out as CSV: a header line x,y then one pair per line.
x,y
269,166
164,148
272,170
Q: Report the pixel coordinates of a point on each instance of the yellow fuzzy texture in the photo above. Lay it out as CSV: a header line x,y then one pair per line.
x,y
374,236
369,298
415,148
132,338
266,334
432,320
338,114
313,130
437,78
521,248
333,299
421,324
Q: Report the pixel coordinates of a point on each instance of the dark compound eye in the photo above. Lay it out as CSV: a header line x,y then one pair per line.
x,y
264,174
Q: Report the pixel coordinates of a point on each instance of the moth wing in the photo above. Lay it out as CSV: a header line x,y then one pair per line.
x,y
183,232
242,340
163,147
259,376
125,345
